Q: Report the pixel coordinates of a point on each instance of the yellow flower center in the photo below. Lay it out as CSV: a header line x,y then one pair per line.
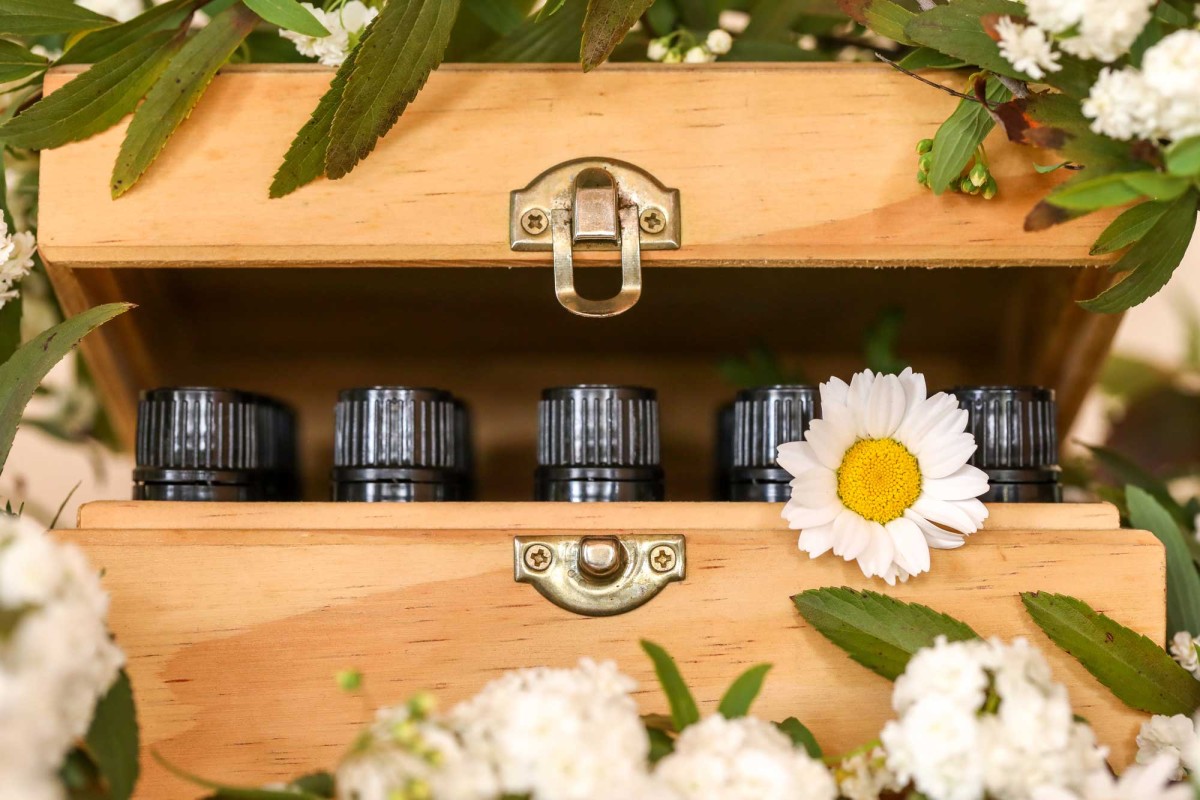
x,y
878,479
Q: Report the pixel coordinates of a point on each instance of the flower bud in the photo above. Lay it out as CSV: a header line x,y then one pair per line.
x,y
698,55
673,56
422,705
978,174
925,163
924,146
718,42
990,188
657,50
922,177
966,186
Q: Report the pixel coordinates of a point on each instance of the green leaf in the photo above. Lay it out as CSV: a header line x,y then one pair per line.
x,y
318,783
97,99
740,695
661,744
21,374
1045,169
1129,227
1151,261
112,739
927,58
288,14
958,137
801,736
604,26
1157,185
16,62
501,17
175,94
99,45
1183,582
1135,669
1129,473
683,705
877,631
888,19
1090,194
397,52
47,17
1081,145
305,159
554,40
223,790
1183,157
551,8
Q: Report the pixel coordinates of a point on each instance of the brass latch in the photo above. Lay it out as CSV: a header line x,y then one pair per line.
x,y
595,204
601,575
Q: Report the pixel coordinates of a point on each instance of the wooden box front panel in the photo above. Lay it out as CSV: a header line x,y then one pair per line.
x,y
234,635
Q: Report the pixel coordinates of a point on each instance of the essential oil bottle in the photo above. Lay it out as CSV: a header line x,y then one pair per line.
x,y
1016,433
598,443
206,444
764,418
401,444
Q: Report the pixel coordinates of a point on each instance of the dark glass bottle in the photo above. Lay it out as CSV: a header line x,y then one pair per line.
x,y
400,444
598,443
205,444
1016,433
764,418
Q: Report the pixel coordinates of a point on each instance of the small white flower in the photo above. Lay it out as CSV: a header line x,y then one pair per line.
x,y
1055,16
1027,48
698,55
1142,782
742,759
16,260
1108,28
345,25
865,776
807,42
1121,105
718,42
1185,649
733,20
657,50
1167,736
879,474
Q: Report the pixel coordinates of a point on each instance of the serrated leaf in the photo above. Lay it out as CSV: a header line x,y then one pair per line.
x,y
97,99
1129,227
679,697
16,62
288,14
21,374
99,45
112,739
958,137
47,17
801,736
888,19
927,58
1151,260
1135,669
305,158
1183,157
553,40
1183,582
741,694
171,100
604,26
877,631
399,49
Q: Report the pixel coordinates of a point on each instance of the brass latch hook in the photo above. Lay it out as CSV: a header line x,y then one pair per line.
x,y
595,204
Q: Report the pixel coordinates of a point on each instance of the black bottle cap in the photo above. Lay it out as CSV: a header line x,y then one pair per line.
x,y
398,443
598,443
198,443
1016,433
764,418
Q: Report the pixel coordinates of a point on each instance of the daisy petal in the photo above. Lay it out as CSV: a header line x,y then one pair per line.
x,y
816,488
937,538
879,554
831,435
914,389
944,461
853,534
963,484
924,418
912,551
857,398
833,392
800,518
816,541
885,407
944,512
797,458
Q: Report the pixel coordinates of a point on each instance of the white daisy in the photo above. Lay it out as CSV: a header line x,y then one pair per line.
x,y
882,475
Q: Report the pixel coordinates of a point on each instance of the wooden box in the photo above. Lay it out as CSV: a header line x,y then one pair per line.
x,y
237,617
802,221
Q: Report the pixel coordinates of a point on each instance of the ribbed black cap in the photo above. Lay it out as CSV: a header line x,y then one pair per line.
x,y
764,418
199,435
400,435
601,435
1016,433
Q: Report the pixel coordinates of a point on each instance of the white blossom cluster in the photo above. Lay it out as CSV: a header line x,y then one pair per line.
x,y
984,718
1102,30
670,49
16,259
345,25
1185,649
1141,782
56,657
864,775
570,734
1174,739
1159,101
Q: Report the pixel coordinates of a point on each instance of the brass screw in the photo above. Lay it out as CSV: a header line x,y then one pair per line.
x,y
537,557
662,558
652,220
534,221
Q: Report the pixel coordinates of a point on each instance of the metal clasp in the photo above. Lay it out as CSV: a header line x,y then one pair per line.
x,y
595,204
600,575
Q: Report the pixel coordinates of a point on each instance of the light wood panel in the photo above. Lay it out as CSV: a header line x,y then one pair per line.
x,y
130,515
234,636
778,165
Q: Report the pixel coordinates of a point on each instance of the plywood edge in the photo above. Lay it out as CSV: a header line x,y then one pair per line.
x,y
134,515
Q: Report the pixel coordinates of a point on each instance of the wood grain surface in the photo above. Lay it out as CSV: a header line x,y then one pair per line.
x,y
778,165
234,636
